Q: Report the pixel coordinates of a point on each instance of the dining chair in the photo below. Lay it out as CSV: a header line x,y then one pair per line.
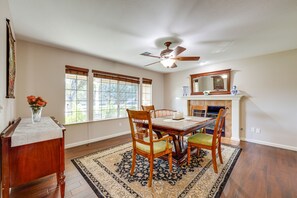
x,y
210,142
199,111
147,147
163,112
149,108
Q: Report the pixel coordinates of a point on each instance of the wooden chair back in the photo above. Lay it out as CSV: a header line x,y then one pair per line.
x,y
137,119
199,110
163,112
150,108
219,125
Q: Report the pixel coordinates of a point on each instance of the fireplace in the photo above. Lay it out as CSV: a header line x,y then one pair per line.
x,y
232,120
213,108
213,111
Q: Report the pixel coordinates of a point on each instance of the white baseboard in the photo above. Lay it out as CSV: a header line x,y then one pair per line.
x,y
95,139
270,144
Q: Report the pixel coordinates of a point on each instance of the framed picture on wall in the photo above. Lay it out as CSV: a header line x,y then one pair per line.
x,y
10,61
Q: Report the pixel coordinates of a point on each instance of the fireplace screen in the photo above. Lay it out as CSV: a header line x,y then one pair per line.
x,y
213,111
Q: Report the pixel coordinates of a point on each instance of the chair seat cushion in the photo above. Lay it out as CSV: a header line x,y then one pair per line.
x,y
201,138
158,146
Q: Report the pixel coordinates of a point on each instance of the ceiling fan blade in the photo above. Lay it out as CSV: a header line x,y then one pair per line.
x,y
173,66
152,63
177,51
149,54
187,58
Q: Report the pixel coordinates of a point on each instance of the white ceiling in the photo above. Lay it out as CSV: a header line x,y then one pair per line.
x,y
120,30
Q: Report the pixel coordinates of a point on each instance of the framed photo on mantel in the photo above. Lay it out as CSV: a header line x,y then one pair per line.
x,y
10,61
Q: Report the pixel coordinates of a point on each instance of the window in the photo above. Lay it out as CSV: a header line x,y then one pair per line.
x,y
146,91
76,94
113,94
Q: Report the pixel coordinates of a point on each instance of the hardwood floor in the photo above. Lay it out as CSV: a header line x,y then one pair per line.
x,y
260,171
263,171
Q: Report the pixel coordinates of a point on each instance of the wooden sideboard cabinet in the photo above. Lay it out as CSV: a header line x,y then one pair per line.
x,y
30,161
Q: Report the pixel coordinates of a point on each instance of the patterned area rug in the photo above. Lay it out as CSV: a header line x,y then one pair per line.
x,y
108,174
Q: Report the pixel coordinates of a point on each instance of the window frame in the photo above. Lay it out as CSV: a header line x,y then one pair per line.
x,y
90,91
118,78
145,82
77,71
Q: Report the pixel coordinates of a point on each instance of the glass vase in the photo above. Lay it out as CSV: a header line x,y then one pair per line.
x,y
36,114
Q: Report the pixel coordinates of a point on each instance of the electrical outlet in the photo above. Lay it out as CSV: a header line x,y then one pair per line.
x,y
252,129
120,124
258,130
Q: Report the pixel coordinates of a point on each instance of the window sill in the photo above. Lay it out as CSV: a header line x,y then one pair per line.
x,y
91,121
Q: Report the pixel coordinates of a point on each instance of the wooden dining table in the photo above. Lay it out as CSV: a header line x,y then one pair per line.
x,y
177,129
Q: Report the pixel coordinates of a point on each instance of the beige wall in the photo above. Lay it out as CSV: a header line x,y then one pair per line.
x,y
7,106
41,72
269,84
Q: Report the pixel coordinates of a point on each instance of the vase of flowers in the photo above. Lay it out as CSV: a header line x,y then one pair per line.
x,y
36,105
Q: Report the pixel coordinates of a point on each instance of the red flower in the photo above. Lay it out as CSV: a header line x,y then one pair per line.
x,y
36,102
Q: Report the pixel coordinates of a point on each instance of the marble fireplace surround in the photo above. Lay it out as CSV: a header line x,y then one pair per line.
x,y
230,101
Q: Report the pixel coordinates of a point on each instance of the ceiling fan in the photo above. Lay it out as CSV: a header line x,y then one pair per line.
x,y
168,57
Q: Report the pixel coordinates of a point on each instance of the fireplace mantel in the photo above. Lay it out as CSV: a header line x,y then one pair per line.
x,y
213,97
235,109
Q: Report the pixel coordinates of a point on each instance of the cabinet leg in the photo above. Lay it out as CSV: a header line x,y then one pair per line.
x,y
61,182
5,192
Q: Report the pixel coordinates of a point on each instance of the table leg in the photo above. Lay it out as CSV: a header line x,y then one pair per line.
x,y
180,148
179,156
179,153
177,145
61,182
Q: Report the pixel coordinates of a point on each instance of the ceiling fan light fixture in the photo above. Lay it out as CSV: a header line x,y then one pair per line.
x,y
167,62
168,56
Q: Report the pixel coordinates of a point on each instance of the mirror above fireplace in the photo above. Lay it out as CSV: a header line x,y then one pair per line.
x,y
216,82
